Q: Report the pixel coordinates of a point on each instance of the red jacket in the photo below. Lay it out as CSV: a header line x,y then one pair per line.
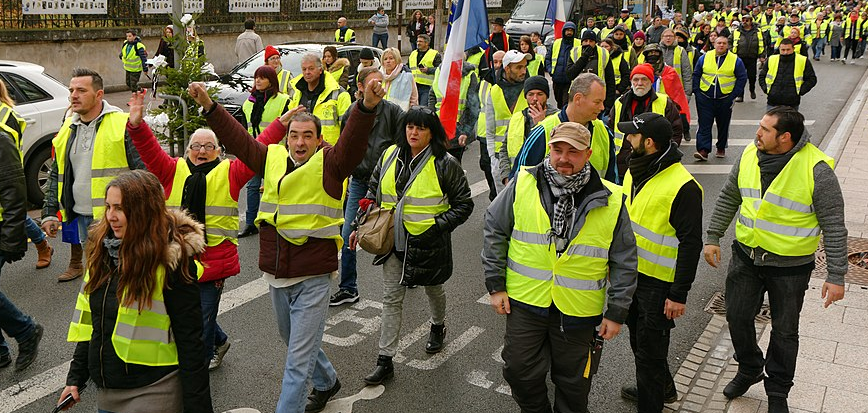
x,y
675,89
317,256
220,261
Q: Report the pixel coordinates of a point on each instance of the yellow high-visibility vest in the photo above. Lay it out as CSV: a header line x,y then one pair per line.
x,y
798,70
296,204
650,209
273,110
782,220
427,61
484,91
348,35
331,104
221,211
462,96
599,142
283,82
423,200
602,60
575,281
737,35
502,113
657,106
723,75
109,158
534,65
132,61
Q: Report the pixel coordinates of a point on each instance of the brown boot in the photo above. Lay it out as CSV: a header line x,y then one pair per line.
x,y
45,251
75,268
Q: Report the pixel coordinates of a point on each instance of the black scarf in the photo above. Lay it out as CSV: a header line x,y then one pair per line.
x,y
771,166
195,192
642,102
259,98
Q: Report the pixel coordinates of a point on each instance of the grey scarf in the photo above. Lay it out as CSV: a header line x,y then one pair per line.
x,y
113,247
563,188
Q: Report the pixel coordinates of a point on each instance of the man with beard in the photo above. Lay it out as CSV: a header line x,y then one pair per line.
x,y
593,59
536,92
639,99
557,60
786,77
665,206
504,98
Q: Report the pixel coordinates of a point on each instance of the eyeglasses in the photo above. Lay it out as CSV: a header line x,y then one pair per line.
x,y
425,109
208,147
275,57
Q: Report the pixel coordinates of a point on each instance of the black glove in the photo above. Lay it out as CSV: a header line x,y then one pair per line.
x,y
588,51
11,256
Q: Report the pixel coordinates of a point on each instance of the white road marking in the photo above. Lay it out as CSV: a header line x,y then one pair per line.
x,y
345,405
749,122
478,188
484,300
479,378
835,145
449,350
409,339
19,395
368,325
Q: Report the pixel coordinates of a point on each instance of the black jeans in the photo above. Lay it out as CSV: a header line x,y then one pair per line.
x,y
561,90
746,284
750,66
649,339
132,80
533,344
485,166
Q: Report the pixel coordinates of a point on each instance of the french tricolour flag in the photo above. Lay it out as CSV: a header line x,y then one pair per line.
x,y
469,28
558,16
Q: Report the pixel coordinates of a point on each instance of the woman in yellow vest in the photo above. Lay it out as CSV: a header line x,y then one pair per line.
x,y
535,66
337,67
208,187
137,320
429,192
264,105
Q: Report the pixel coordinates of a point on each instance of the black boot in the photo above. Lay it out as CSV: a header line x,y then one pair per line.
x,y
740,384
384,370
435,339
778,405
631,392
317,400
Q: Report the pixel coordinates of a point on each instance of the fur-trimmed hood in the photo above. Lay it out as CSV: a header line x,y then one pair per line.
x,y
339,64
193,236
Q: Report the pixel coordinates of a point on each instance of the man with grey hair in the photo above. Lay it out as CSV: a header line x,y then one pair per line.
x,y
677,57
90,149
207,187
424,62
344,34
587,94
557,220
320,95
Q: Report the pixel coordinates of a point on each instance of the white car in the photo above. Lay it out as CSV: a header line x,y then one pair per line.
x,y
42,101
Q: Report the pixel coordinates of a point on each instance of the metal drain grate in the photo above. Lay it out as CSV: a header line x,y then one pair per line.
x,y
717,305
857,250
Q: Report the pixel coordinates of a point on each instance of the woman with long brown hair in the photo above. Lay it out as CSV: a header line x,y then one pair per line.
x,y
137,319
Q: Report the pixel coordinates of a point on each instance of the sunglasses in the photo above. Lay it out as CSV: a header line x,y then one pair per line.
x,y
425,109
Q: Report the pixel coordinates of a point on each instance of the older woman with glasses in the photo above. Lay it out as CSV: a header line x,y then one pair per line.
x,y
207,186
429,192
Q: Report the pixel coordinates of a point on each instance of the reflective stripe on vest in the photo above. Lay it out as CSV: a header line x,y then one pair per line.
x,y
723,75
502,113
221,211
348,35
484,90
427,61
283,82
132,61
515,135
656,241
423,200
737,35
109,158
140,336
657,106
273,109
296,204
602,60
5,113
616,67
575,281
330,105
798,70
783,220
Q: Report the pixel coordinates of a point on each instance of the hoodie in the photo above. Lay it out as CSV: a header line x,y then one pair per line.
x,y
561,60
828,203
376,65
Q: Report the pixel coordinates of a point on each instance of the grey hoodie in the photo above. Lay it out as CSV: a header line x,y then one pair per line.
x,y
828,203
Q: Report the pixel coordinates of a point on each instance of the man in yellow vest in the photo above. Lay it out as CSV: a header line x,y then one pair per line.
x,y
133,56
13,242
626,20
587,93
424,61
749,45
591,58
557,245
505,97
344,34
786,77
718,79
536,93
665,206
320,95
785,194
558,58
300,218
91,148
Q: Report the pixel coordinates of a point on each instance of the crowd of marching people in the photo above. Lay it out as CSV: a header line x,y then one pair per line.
x,y
594,222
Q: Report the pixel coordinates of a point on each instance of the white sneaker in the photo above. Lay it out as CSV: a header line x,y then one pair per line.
x,y
217,359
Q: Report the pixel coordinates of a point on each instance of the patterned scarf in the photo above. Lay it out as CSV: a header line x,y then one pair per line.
x,y
563,188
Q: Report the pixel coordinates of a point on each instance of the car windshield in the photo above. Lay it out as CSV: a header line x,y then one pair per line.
x,y
290,58
530,10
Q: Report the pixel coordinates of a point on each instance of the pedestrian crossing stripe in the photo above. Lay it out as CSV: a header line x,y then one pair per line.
x,y
750,122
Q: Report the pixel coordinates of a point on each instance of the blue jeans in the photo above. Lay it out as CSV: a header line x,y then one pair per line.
x,y
212,335
424,90
819,46
357,190
301,311
382,39
13,322
711,111
253,196
84,222
33,231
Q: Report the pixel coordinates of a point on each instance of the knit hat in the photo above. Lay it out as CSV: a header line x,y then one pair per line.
x,y
589,35
644,69
639,35
536,83
366,54
270,51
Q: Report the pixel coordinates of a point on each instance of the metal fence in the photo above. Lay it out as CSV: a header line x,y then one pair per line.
x,y
125,13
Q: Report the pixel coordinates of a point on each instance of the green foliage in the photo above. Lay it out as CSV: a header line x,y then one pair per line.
x,y
188,69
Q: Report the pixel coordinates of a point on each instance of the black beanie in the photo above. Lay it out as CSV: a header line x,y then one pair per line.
x,y
366,54
537,83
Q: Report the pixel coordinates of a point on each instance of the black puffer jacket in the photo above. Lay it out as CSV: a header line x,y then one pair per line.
x,y
428,257
12,195
382,135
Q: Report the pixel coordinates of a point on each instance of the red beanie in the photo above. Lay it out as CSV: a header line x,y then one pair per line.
x,y
643,69
640,34
270,51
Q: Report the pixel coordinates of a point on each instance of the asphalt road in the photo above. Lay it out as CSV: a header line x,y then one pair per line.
x,y
465,377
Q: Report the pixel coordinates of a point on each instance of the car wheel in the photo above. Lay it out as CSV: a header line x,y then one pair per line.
x,y
36,175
